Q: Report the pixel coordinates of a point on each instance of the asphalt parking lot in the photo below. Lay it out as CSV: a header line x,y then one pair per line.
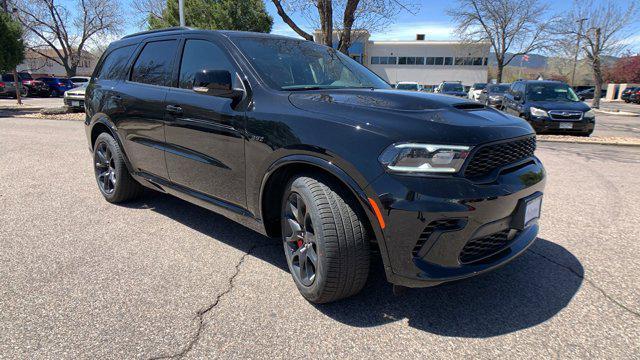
x,y
161,278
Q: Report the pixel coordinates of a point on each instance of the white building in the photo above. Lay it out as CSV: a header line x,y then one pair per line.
x,y
426,62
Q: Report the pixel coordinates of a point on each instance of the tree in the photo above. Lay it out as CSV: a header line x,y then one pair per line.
x,y
55,34
12,47
11,43
602,35
511,27
245,15
341,16
625,70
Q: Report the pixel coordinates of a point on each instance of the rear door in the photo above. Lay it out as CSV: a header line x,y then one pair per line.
x,y
204,134
142,98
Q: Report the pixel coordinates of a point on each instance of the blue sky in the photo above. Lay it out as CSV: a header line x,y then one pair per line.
x,y
430,18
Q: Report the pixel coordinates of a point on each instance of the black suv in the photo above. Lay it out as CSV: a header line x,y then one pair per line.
x,y
300,142
549,106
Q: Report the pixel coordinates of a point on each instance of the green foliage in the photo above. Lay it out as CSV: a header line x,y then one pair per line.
x,y
246,15
11,44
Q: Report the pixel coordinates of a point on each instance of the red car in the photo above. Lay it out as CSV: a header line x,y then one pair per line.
x,y
34,87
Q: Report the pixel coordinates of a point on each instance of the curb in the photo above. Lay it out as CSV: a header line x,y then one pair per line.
x,y
619,113
589,142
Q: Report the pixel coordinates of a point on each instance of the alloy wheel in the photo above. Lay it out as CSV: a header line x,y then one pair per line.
x,y
105,168
300,240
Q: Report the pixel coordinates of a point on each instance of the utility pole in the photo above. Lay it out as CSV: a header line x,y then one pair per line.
x,y
181,12
575,56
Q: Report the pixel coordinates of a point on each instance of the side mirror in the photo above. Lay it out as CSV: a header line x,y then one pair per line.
x,y
517,97
581,98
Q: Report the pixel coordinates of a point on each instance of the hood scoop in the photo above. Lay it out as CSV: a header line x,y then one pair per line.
x,y
469,106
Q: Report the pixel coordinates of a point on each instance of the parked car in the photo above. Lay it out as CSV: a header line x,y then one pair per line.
x,y
300,142
589,93
79,80
549,106
74,98
408,85
8,89
626,93
634,97
57,86
476,90
493,95
451,88
33,87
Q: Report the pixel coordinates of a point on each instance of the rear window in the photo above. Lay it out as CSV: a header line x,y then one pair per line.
x,y
114,64
154,63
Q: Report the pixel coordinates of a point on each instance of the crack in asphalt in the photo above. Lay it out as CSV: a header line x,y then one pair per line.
x,y
590,282
202,312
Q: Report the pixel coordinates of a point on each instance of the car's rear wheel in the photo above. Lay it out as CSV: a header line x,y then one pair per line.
x,y
113,178
325,239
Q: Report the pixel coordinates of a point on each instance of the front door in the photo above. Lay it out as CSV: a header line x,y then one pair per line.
x,y
204,134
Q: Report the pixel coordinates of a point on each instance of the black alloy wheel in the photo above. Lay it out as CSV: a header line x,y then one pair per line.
x,y
300,240
105,168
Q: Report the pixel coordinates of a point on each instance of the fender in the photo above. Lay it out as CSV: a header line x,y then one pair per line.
x,y
103,119
356,189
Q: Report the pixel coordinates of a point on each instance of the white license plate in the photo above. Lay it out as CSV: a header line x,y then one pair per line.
x,y
532,211
75,103
566,125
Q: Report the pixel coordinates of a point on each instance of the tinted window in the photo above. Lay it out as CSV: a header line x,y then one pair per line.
x,y
153,65
452,87
115,63
498,89
479,86
550,92
448,61
201,55
288,64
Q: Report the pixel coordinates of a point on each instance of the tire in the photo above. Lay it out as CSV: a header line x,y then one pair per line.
x,y
330,227
112,176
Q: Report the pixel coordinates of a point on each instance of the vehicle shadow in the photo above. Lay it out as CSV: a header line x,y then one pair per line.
x,y
524,293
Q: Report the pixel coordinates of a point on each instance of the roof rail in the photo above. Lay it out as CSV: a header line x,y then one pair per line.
x,y
157,31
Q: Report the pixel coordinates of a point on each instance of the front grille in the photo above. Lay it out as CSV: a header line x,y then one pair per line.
x,y
491,157
481,248
436,225
569,115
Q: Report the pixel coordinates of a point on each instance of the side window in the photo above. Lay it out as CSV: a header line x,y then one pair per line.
x,y
115,63
153,65
201,55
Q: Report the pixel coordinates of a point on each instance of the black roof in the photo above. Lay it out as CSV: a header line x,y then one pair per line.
x,y
227,33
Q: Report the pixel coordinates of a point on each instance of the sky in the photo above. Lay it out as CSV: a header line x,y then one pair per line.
x,y
430,18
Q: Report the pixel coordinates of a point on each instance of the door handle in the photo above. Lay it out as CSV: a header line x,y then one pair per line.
x,y
174,109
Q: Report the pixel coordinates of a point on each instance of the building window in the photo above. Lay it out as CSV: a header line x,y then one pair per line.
x,y
392,60
402,60
411,60
431,61
438,61
383,60
375,60
448,61
486,60
420,60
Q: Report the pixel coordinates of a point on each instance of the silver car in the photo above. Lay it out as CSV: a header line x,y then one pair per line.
x,y
74,98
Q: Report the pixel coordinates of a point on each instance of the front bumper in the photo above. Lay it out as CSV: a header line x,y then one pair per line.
x,y
431,223
546,125
74,102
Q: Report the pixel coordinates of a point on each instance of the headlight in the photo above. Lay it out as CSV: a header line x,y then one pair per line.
x,y
590,114
538,112
494,97
424,158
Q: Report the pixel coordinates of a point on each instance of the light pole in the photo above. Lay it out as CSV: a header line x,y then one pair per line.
x,y
575,56
181,11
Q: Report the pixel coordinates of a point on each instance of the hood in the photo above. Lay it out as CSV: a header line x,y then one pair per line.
x,y
560,105
412,116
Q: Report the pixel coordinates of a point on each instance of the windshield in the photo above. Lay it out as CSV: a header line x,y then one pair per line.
x,y
550,92
407,87
498,89
290,64
452,87
24,76
479,86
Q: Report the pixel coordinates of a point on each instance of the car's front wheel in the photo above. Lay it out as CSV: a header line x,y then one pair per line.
x,y
114,181
325,239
